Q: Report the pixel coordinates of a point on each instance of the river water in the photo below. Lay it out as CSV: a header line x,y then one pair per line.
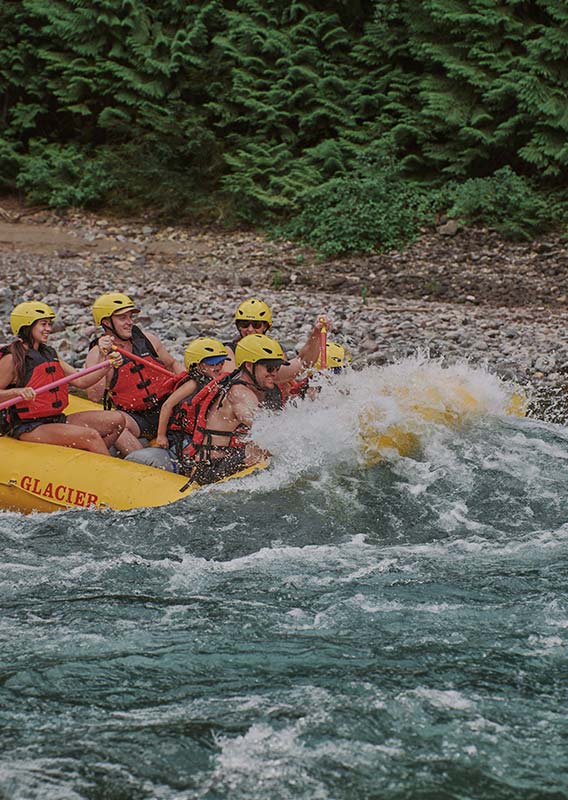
x,y
323,629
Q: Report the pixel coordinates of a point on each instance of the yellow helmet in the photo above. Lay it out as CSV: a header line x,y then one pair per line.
x,y
336,356
108,304
254,310
28,313
257,347
204,348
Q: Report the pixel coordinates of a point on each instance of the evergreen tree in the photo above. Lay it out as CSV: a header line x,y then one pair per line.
x,y
486,86
245,106
287,85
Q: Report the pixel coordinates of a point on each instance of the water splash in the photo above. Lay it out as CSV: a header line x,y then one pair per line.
x,y
374,415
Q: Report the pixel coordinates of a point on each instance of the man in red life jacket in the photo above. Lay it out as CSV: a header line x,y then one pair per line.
x,y
134,388
224,413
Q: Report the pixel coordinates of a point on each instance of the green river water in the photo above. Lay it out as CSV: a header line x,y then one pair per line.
x,y
320,630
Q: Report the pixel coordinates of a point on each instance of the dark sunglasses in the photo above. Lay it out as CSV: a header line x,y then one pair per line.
x,y
271,364
245,323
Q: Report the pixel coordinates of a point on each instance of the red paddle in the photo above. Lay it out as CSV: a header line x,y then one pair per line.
x,y
60,382
323,347
146,362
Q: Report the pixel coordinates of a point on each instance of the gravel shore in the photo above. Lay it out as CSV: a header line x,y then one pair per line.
x,y
186,288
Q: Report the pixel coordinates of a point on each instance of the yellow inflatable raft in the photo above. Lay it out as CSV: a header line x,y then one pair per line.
x,y
450,405
43,477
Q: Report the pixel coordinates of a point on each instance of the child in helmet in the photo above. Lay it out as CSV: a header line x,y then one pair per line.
x,y
29,363
204,360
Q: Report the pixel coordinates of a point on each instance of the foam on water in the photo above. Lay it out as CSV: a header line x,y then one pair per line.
x,y
421,397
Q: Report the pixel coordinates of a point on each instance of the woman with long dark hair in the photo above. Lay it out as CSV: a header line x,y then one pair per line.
x,y
29,363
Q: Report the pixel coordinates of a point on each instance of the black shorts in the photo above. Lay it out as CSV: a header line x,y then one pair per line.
x,y
25,426
216,469
147,421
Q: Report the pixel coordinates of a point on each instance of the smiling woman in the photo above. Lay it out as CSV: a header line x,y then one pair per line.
x,y
28,364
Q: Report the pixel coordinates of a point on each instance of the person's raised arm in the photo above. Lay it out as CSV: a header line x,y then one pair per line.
x,y
309,353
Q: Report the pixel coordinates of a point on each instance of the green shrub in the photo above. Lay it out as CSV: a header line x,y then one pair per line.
x,y
506,202
158,175
63,176
371,208
129,177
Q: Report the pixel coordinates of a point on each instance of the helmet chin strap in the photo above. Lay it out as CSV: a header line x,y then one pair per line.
x,y
252,376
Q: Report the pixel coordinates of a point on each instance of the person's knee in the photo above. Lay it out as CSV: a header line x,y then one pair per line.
x,y
131,425
117,421
91,437
125,419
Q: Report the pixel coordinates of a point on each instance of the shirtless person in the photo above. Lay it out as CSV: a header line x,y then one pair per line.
x,y
225,415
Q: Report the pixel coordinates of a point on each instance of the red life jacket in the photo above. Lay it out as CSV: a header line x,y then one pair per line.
x,y
201,437
41,367
297,388
185,413
138,387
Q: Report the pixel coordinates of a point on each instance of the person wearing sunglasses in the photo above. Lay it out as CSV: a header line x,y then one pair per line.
x,y
255,316
252,316
223,418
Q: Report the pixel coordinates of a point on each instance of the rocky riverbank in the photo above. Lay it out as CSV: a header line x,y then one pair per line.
x,y
495,304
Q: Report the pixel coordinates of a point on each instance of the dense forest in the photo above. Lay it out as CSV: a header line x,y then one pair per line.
x,y
343,123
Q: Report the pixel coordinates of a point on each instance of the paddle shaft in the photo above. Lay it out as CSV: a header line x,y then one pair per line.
x,y
323,347
55,384
150,364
